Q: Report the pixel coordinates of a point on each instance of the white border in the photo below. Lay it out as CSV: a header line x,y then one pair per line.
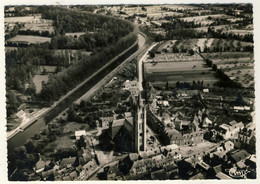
x,y
3,142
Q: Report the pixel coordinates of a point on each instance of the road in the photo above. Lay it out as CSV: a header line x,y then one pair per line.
x,y
140,67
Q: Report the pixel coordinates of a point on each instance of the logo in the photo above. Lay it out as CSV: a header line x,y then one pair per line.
x,y
235,173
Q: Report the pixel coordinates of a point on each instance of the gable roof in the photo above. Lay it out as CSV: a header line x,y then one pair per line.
x,y
159,175
217,168
67,161
233,122
133,156
240,155
228,145
73,175
221,175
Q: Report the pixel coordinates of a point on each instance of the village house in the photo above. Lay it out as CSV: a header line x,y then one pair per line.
x,y
41,164
80,133
227,131
68,162
247,134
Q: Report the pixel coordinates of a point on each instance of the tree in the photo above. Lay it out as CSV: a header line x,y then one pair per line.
x,y
167,85
30,146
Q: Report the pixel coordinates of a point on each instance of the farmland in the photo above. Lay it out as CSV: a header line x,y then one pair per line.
x,y
204,20
177,67
34,23
238,66
29,39
211,44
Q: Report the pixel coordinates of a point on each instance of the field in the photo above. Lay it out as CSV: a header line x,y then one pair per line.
x,y
73,126
63,142
178,67
25,19
29,39
39,27
212,44
158,15
77,35
203,20
238,66
37,79
241,32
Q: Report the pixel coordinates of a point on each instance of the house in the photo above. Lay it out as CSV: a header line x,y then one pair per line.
x,y
104,121
80,133
46,174
228,146
21,114
138,167
159,175
222,176
66,178
227,131
205,90
206,122
238,155
73,175
172,171
127,114
247,134
41,164
112,173
68,162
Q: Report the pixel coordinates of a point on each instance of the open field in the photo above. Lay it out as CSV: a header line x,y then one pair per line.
x,y
163,14
63,142
25,19
29,39
77,35
39,27
190,66
203,20
241,32
74,126
238,66
37,79
228,55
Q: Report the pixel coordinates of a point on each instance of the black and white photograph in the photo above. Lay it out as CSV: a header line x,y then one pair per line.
x,y
129,91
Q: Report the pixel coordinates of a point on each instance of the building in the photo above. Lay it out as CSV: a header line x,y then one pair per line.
x,y
68,162
41,164
80,133
227,131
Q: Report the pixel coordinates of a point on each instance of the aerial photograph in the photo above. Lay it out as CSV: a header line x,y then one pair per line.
x,y
130,92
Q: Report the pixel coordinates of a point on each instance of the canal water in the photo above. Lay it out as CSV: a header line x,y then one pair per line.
x,y
20,138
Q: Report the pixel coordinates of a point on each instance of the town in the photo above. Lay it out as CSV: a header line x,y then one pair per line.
x,y
130,92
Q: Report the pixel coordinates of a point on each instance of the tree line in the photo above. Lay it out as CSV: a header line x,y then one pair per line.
x,y
22,64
